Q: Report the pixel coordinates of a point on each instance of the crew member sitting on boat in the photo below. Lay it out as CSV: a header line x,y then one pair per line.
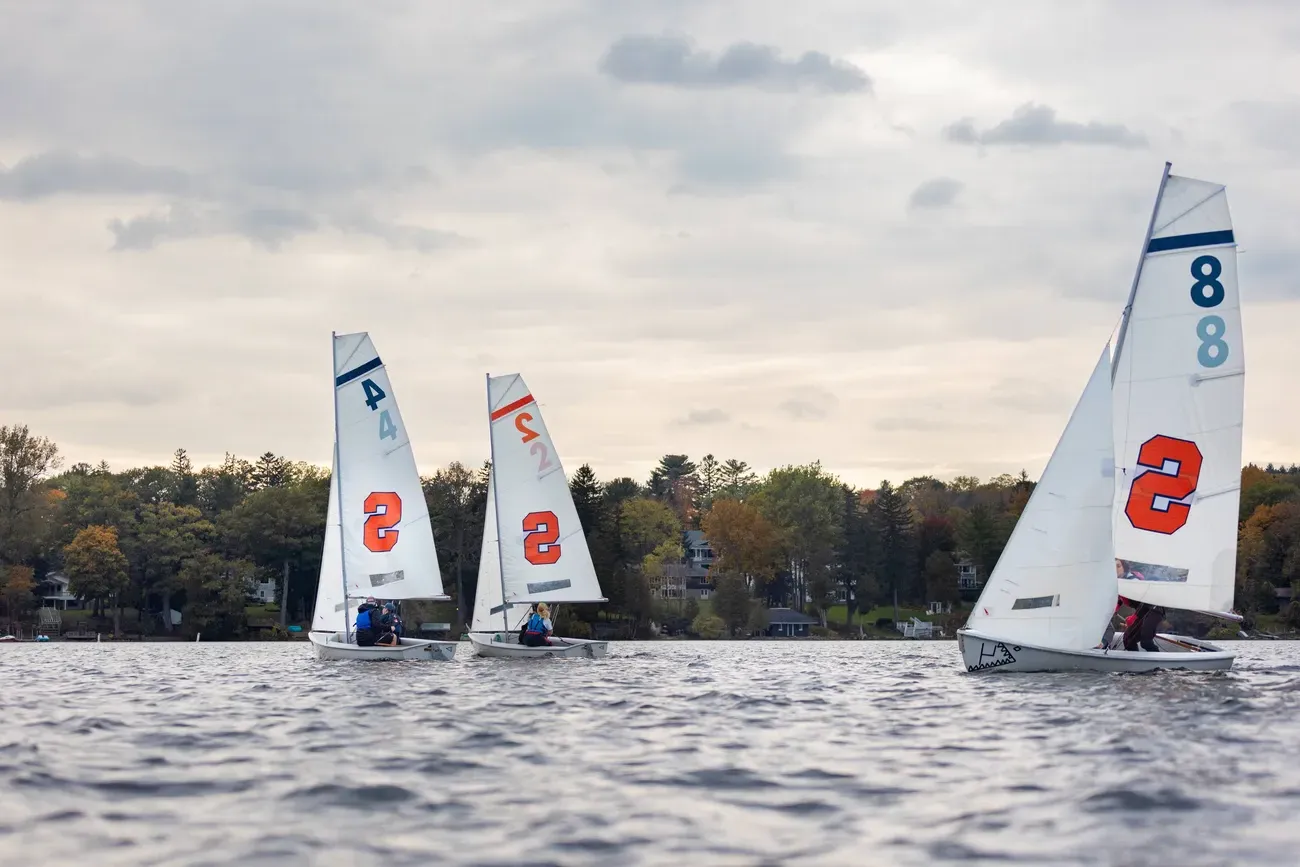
x,y
367,625
1140,627
386,630
538,631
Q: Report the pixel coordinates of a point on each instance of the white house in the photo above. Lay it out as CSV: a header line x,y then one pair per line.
x,y
262,591
54,593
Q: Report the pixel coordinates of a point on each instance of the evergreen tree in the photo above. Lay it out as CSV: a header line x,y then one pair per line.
x,y
894,542
185,485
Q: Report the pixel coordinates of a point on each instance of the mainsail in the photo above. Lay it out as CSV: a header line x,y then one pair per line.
x,y
1179,378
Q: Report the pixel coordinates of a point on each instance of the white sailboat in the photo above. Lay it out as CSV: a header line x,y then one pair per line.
x,y
378,538
534,547
1179,393
1052,593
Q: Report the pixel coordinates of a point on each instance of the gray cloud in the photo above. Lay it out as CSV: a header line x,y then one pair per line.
x,y
701,417
911,424
54,172
269,228
1032,125
674,60
935,193
1025,394
810,404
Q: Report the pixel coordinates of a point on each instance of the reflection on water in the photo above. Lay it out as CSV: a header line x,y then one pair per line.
x,y
667,753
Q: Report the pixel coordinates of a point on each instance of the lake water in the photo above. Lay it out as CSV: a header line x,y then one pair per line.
x,y
669,753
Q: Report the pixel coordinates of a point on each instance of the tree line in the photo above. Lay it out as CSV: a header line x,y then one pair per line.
x,y
142,542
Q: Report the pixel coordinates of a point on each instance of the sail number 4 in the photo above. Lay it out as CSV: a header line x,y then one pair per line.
x,y
1208,292
541,544
374,394
538,448
384,509
1152,503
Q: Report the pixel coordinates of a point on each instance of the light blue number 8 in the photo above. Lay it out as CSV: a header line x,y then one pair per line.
x,y
1211,330
387,430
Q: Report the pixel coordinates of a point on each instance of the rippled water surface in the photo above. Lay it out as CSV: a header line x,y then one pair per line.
x,y
677,753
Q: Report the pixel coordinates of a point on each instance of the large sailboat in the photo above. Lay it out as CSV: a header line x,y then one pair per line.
x,y
1174,411
378,538
534,547
1052,593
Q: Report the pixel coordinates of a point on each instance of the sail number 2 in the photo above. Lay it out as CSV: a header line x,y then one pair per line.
x,y
1152,503
384,511
538,448
374,394
541,544
1208,292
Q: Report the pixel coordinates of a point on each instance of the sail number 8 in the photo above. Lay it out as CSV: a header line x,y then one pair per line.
x,y
1208,292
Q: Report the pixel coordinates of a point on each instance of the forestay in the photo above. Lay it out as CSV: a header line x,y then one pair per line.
x,y
1052,585
382,520
1178,403
542,549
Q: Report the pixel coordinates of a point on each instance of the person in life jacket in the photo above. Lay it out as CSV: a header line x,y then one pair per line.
x,y
537,632
366,626
386,631
1140,627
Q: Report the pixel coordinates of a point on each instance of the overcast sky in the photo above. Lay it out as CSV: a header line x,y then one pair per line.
x,y
893,236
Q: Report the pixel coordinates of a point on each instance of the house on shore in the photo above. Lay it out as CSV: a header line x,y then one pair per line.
x,y
788,623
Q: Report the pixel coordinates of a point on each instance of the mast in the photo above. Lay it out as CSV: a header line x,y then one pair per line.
x,y
338,477
496,506
1137,275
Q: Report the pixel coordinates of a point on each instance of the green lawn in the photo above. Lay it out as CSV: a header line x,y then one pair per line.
x,y
838,614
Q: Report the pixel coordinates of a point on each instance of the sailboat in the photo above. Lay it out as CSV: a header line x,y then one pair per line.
x,y
378,538
534,547
1179,393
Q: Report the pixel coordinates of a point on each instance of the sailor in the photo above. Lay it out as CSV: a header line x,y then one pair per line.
x,y
386,629
365,626
1140,627
538,631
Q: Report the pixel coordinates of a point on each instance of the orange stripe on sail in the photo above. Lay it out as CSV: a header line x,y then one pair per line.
x,y
511,407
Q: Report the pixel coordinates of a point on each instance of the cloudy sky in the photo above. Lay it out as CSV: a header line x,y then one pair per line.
x,y
891,235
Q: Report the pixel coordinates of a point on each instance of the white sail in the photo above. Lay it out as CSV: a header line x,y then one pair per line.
x,y
1179,395
329,614
543,549
1052,586
489,613
387,539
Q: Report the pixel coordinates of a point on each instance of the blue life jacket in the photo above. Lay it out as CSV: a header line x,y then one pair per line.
x,y
535,624
363,619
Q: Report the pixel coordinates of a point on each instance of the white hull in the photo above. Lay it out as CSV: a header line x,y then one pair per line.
x,y
986,653
332,645
506,645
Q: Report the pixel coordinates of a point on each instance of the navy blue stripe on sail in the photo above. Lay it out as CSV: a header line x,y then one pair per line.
x,y
1196,239
345,378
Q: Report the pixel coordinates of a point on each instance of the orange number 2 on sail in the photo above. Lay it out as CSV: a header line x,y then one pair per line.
x,y
385,511
541,545
1157,484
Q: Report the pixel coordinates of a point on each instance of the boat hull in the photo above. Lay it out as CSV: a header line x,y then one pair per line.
x,y
333,645
982,653
506,645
